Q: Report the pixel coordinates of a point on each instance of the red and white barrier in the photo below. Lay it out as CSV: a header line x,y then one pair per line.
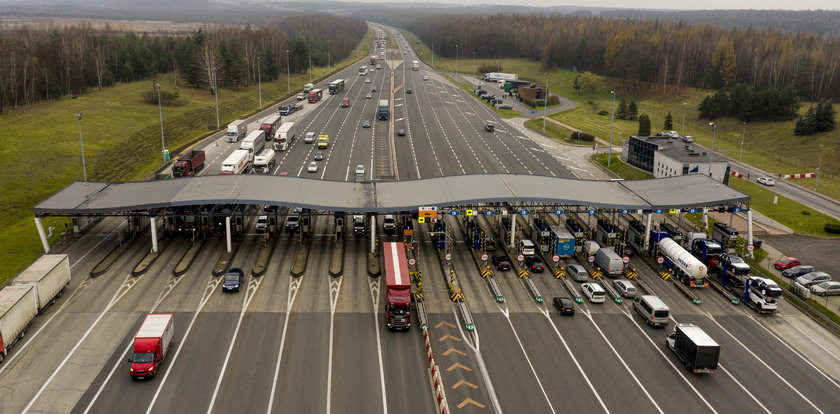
x,y
806,175
736,173
434,377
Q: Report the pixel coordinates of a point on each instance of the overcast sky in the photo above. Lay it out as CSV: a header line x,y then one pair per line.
x,y
656,4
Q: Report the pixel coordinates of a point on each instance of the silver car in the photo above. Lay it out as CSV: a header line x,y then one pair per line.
x,y
625,288
826,288
813,278
577,272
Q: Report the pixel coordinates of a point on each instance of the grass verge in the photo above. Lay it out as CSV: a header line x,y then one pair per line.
x,y
555,132
621,169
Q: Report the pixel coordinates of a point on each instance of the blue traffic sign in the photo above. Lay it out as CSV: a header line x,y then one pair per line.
x,y
453,213
558,212
488,213
592,211
625,211
659,211
523,212
736,210
692,210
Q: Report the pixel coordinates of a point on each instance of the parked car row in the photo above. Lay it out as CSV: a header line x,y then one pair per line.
x,y
819,283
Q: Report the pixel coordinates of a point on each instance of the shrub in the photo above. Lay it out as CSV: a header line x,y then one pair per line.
x,y
602,113
806,213
833,228
553,100
583,136
166,98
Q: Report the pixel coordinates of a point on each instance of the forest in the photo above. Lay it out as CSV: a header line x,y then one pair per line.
x,y
643,54
46,64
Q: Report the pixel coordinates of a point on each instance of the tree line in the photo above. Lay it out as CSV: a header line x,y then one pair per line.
x,y
644,54
46,64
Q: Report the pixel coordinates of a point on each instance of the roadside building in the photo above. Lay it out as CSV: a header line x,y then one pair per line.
x,y
667,157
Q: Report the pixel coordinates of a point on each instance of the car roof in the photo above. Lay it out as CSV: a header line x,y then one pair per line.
x,y
814,274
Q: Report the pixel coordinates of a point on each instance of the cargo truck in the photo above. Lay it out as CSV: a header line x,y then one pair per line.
x,y
253,143
384,110
609,261
415,65
18,306
236,130
563,241
308,87
236,163
336,86
189,164
497,76
687,268
269,124
323,140
284,136
48,275
373,60
697,350
398,283
359,225
264,162
315,95
151,345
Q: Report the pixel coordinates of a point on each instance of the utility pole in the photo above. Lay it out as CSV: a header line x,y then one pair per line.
x,y
310,63
82,145
612,124
819,168
685,107
743,133
545,102
288,73
714,131
160,112
259,81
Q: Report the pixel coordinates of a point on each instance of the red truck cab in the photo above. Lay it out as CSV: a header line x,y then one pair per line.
x,y
345,102
398,282
151,345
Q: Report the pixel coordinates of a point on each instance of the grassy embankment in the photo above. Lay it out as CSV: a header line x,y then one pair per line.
x,y
41,154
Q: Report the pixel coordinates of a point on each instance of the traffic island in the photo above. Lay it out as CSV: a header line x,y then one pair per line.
x,y
225,259
187,259
263,257
337,259
112,257
149,259
374,269
301,255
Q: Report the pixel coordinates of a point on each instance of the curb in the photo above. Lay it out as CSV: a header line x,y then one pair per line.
x,y
301,257
373,265
337,259
263,257
112,257
149,259
225,258
191,253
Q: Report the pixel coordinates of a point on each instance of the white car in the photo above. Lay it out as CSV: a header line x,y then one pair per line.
x,y
367,96
313,166
425,78
673,134
309,138
367,80
766,181
360,169
594,292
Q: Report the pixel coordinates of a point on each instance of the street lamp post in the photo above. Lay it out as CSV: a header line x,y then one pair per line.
x,y
819,169
498,68
82,145
456,61
475,68
160,112
545,101
216,94
329,61
685,108
743,134
714,131
310,63
288,73
612,125
259,81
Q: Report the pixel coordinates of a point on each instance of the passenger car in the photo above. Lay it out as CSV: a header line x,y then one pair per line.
x,y
234,278
309,137
577,272
425,78
504,106
625,288
594,292
360,169
766,181
501,263
534,264
813,278
366,124
564,306
373,89
367,96
797,271
313,166
367,80
489,244
319,156
299,97
400,132
828,288
408,91
786,263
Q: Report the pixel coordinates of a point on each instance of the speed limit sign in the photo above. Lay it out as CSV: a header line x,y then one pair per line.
x,y
555,258
448,257
591,259
520,258
625,259
750,247
660,260
484,257
412,262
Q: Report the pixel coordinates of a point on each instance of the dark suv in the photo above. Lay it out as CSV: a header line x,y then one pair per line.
x,y
501,263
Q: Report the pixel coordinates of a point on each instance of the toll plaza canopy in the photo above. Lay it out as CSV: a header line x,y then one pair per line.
x,y
679,192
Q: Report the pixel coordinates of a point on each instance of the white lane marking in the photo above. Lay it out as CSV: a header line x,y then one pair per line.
x,y
482,367
208,292
294,288
761,361
165,292
251,290
335,289
746,391
801,332
127,284
577,364
374,298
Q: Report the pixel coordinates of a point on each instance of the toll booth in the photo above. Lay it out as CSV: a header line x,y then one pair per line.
x,y
578,232
542,235
273,219
606,234
675,233
305,221
338,226
636,236
562,242
439,234
726,235
406,228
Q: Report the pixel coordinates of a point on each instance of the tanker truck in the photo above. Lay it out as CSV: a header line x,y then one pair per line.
x,y
687,268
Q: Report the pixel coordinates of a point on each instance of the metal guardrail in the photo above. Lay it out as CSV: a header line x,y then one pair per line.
x,y
803,306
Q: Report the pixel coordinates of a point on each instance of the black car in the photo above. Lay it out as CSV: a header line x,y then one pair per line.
x,y
797,271
535,265
234,279
408,90
501,263
564,306
489,244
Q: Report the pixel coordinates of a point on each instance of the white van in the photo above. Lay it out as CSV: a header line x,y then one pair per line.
x,y
526,247
594,292
653,310
610,262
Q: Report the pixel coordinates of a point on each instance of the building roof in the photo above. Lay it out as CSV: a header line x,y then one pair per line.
x,y
685,191
683,151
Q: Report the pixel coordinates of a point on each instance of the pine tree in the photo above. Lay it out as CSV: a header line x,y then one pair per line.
x,y
644,125
633,112
621,113
669,122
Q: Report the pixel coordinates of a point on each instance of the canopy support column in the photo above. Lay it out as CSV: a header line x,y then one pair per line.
x,y
227,233
153,226
42,234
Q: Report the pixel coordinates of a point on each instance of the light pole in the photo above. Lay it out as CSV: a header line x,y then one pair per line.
x,y
685,107
329,47
475,68
310,63
545,101
498,68
714,131
743,133
612,124
216,94
456,62
160,112
819,169
82,145
288,73
259,81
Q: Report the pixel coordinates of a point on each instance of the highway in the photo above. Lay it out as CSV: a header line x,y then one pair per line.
x,y
316,343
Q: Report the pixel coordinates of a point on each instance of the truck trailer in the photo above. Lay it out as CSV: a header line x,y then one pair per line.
x,y
497,76
315,95
236,130
151,345
687,268
48,275
697,350
270,123
264,162
398,282
189,164
18,306
383,110
415,65
284,136
236,163
254,143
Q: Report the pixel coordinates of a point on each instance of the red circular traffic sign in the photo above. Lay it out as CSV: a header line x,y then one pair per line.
x,y
555,258
591,259
448,257
520,258
484,257
625,259
412,262
750,247
660,260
